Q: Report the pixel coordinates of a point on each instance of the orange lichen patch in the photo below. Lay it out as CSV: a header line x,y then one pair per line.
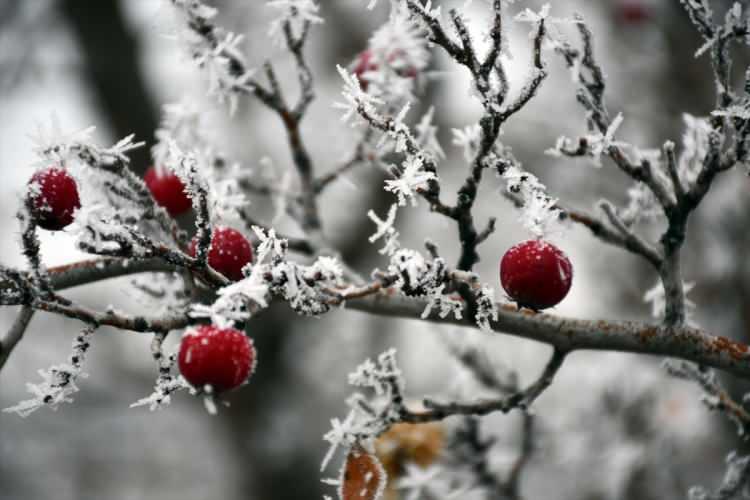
x,y
363,476
515,309
420,444
736,350
76,265
603,326
674,407
647,334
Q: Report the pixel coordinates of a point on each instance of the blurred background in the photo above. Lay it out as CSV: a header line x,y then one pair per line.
x,y
613,426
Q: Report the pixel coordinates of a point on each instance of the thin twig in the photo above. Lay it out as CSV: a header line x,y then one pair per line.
x,y
15,334
519,400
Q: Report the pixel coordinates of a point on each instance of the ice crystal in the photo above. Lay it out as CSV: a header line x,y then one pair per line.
x,y
695,143
398,54
642,205
355,98
213,50
486,308
446,304
655,296
368,416
386,231
427,135
295,13
468,139
598,143
162,394
539,212
309,290
413,179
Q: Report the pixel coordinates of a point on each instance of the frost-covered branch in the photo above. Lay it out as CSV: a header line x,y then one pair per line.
x,y
677,189
494,116
715,397
566,334
166,383
59,382
736,480
238,79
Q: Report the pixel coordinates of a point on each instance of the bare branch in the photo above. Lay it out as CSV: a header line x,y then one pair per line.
x,y
15,334
599,229
519,400
527,449
674,175
117,320
356,159
632,241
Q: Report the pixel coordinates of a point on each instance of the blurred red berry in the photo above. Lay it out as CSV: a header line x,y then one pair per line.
x,y
403,69
536,274
54,196
632,12
365,63
220,357
229,252
168,190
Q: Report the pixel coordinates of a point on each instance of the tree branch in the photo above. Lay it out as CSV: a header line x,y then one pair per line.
x,y
565,334
15,334
518,400
568,334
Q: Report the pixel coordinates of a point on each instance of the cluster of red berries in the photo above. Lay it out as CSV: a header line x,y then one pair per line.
x,y
229,250
54,197
536,274
220,357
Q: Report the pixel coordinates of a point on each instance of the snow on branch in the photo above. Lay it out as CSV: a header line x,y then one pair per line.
x,y
55,146
736,479
214,50
59,382
370,414
309,290
416,174
386,231
166,382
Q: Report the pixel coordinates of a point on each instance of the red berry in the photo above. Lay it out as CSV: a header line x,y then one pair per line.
x,y
229,252
364,64
632,12
168,190
536,274
220,357
54,195
403,68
